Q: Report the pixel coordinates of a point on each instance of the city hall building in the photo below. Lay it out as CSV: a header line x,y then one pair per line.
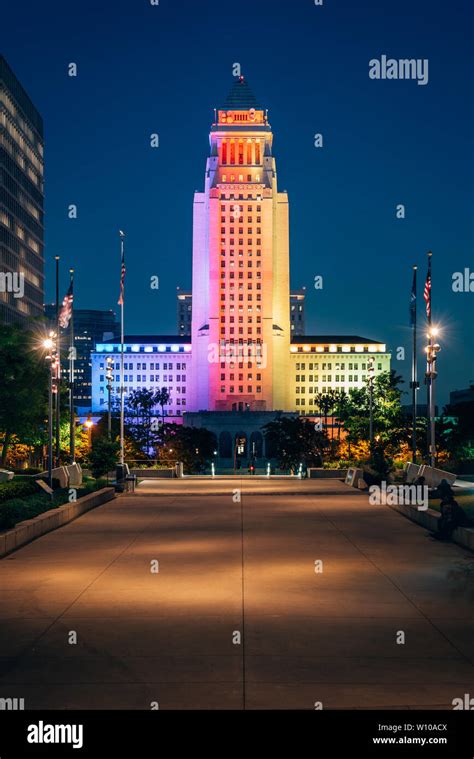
x,y
245,360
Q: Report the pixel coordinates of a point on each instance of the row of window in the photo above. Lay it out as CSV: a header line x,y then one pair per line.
x,y
167,412
234,153
328,378
146,366
240,389
241,208
337,366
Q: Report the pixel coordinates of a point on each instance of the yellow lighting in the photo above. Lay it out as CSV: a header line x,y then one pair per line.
x,y
48,343
293,349
306,348
319,348
333,348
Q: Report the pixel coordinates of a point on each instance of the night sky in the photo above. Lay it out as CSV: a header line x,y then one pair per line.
x,y
145,69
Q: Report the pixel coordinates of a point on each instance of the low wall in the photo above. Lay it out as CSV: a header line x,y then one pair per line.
x,y
148,474
324,474
30,529
463,536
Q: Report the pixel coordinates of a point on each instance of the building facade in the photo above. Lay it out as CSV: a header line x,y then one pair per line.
x,y
91,327
240,321
184,309
21,202
297,312
149,362
246,359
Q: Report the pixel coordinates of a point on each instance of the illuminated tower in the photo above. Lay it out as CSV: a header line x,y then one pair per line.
x,y
240,317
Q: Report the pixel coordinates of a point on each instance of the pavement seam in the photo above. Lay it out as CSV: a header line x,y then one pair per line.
x,y
24,652
395,585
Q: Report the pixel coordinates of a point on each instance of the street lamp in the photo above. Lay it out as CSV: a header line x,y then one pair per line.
x,y
432,349
49,345
109,377
370,380
89,424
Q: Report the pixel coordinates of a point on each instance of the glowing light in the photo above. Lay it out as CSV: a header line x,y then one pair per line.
x,y
162,348
333,348
48,343
319,349
372,348
135,348
306,348
175,348
359,348
293,349
148,349
187,348
346,348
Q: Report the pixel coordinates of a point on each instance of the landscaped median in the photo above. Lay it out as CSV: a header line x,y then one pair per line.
x,y
30,529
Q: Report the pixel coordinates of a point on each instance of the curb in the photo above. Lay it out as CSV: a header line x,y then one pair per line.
x,y
463,536
30,529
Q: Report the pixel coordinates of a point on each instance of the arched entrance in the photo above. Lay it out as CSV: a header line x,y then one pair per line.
x,y
225,445
256,445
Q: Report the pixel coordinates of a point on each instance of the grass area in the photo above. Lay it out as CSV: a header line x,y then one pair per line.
x,y
20,503
466,501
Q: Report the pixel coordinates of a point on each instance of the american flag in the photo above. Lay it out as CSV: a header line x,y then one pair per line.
x,y
122,278
66,309
427,291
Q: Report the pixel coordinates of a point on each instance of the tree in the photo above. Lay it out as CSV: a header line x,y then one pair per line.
x,y
194,446
163,398
140,415
24,387
103,456
296,441
389,423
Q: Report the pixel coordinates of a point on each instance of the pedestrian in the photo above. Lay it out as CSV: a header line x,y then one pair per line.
x,y
452,516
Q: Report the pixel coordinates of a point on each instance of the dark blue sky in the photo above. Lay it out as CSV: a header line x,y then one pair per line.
x,y
144,69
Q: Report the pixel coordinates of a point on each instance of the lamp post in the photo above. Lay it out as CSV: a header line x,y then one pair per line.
x,y
89,423
109,377
49,345
432,349
371,370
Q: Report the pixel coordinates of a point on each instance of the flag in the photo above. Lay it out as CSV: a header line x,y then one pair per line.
x,y
66,309
122,280
413,300
427,291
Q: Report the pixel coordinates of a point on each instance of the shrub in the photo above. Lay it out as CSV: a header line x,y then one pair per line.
x,y
17,489
18,509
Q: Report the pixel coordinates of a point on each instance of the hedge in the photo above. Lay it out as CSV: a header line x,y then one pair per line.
x,y
18,509
20,489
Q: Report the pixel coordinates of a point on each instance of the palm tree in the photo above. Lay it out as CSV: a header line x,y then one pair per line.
x,y
162,398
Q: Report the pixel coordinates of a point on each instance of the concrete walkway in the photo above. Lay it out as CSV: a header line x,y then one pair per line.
x,y
170,637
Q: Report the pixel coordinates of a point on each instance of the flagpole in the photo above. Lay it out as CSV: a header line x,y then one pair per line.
x,y
122,446
58,370
429,378
72,419
414,383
